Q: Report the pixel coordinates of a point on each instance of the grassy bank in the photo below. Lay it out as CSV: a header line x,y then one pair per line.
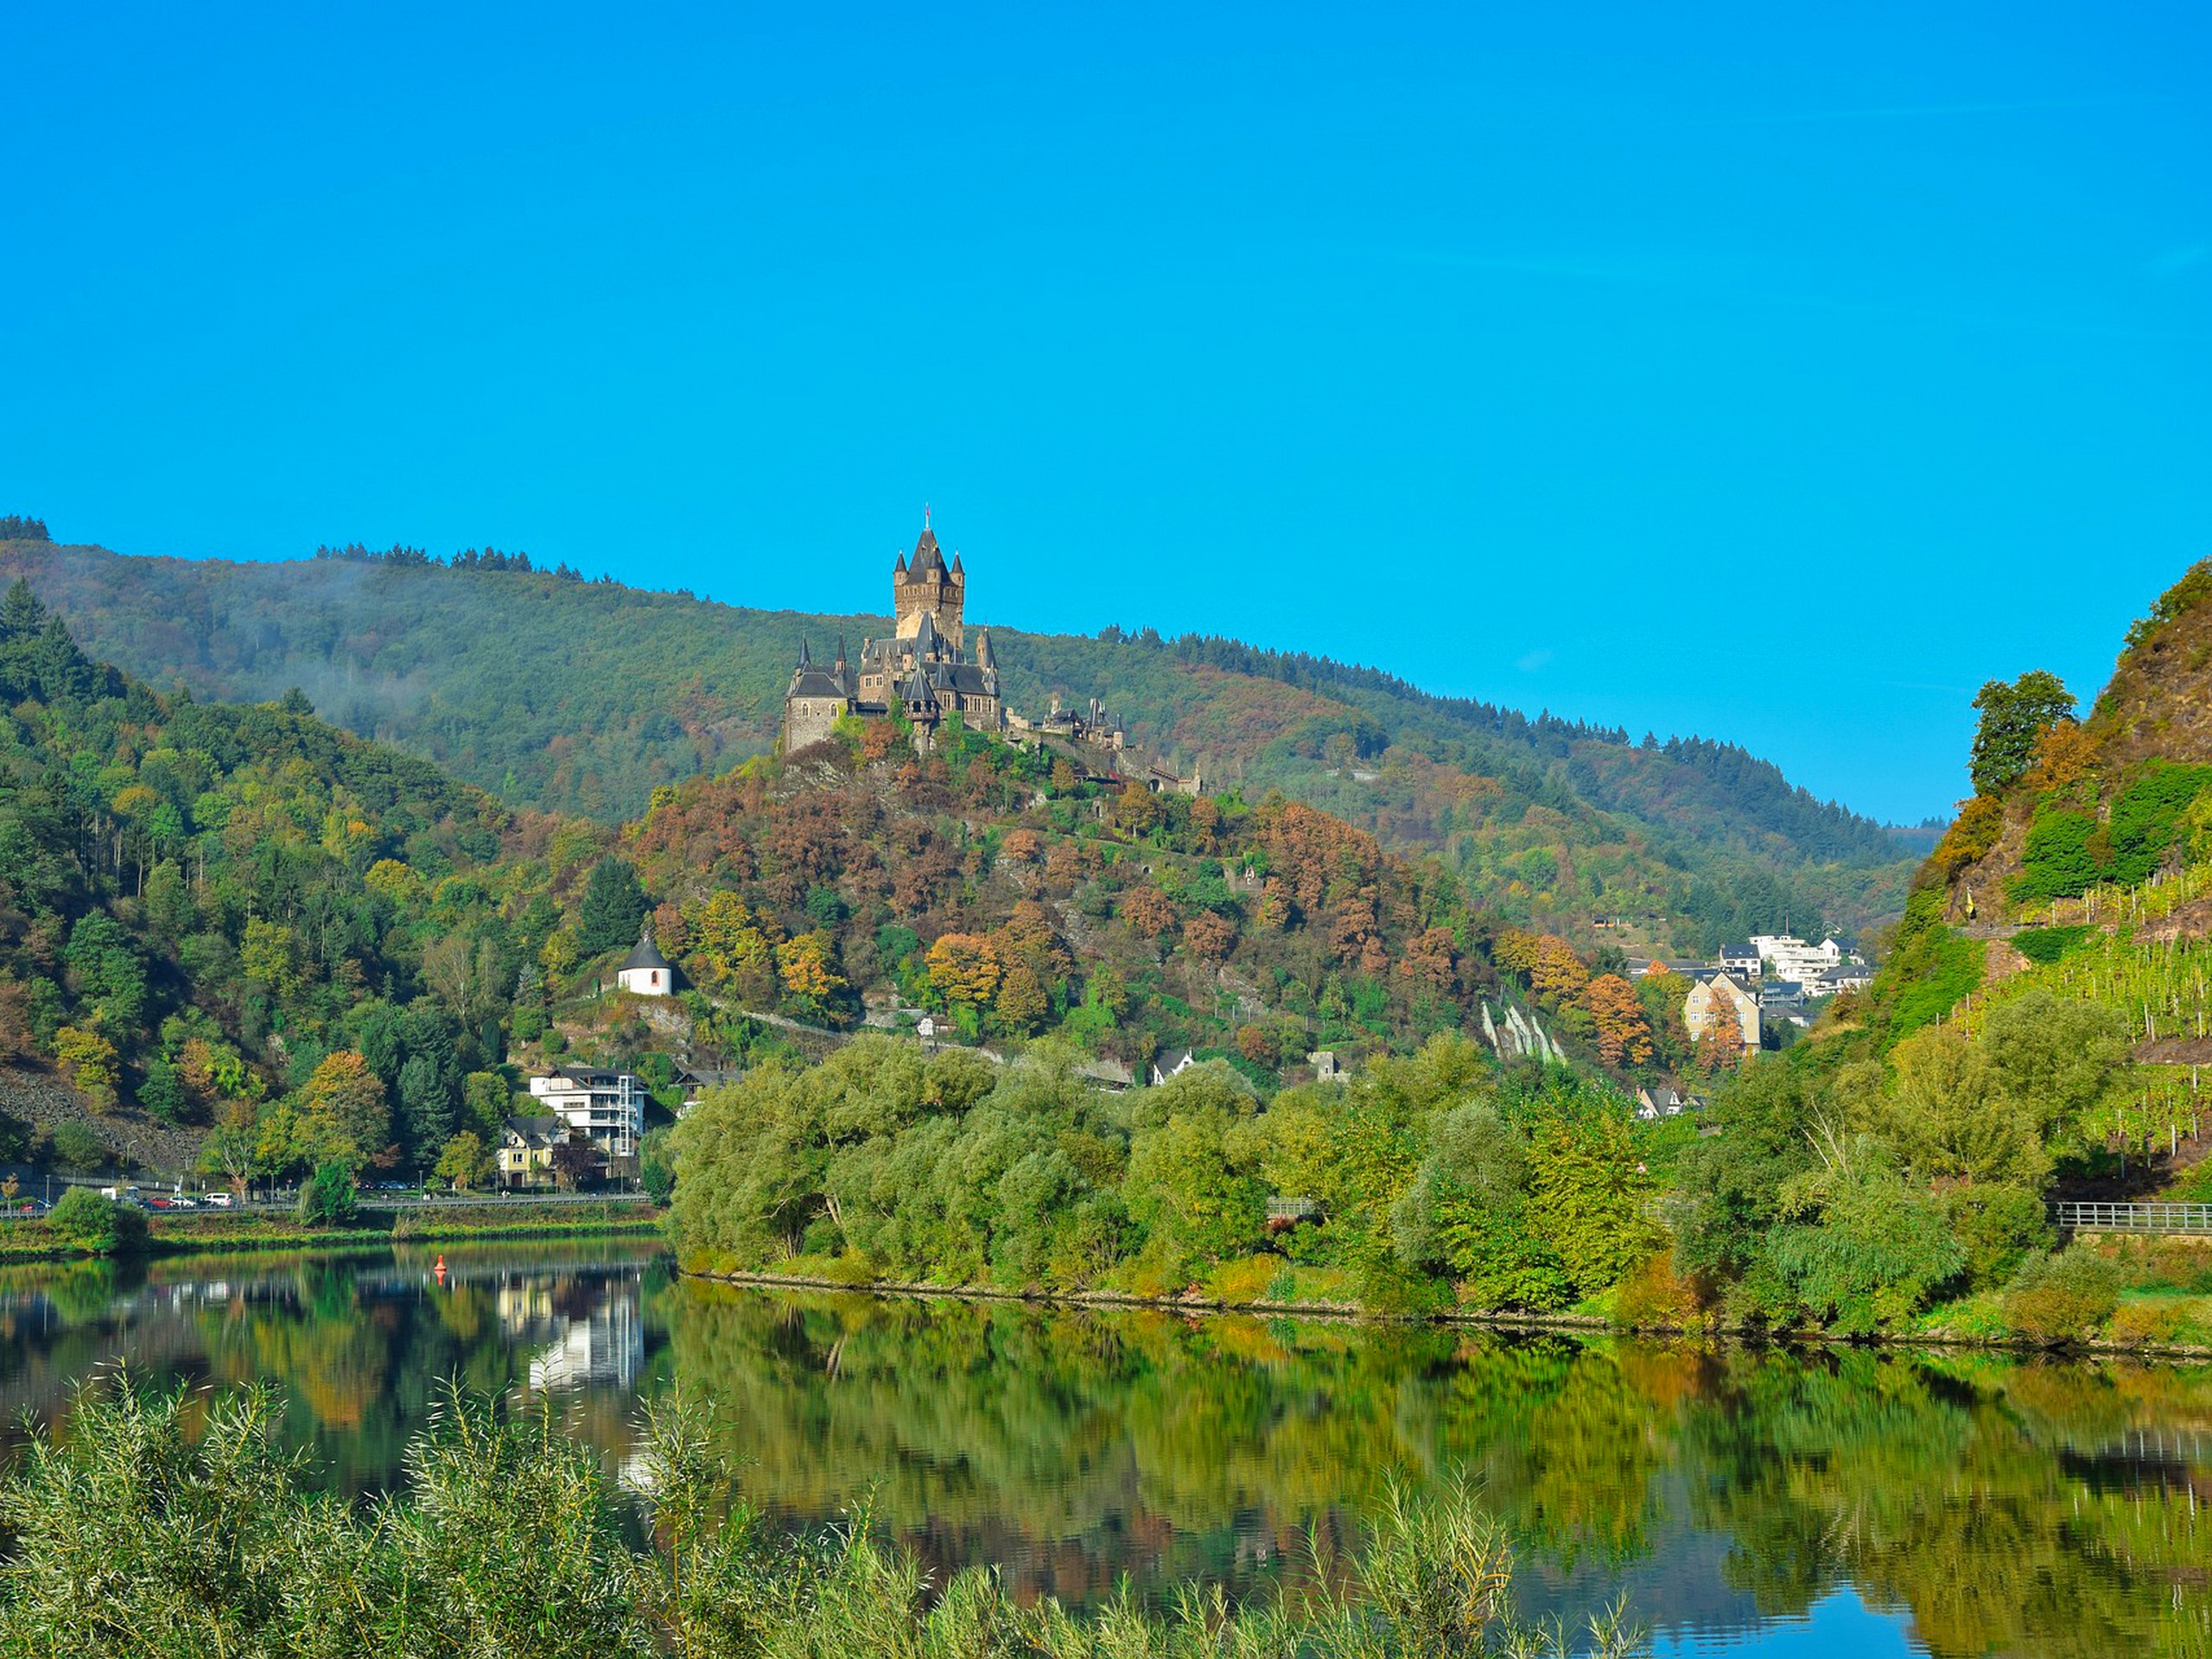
x,y
211,1230
2154,1299
162,1525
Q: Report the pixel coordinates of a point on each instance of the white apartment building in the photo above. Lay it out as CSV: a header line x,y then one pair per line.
x,y
607,1106
1784,956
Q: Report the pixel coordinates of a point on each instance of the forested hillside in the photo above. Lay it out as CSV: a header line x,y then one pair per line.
x,y
239,922
584,696
1013,899
290,946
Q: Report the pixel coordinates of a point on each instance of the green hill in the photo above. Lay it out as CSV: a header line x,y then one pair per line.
x,y
584,696
199,904
239,931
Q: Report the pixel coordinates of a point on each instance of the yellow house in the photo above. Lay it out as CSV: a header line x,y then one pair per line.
x,y
526,1150
1720,998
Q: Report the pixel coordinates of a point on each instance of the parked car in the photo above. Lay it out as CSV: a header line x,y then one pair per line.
x,y
217,1200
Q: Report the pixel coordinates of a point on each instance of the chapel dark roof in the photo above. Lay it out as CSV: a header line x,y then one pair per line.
x,y
817,682
646,954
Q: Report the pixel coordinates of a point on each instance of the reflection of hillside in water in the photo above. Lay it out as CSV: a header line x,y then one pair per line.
x,y
1727,1490
1992,1504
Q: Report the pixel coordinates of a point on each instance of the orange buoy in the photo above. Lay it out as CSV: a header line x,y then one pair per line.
x,y
440,1270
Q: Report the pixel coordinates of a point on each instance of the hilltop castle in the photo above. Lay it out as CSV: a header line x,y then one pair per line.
x,y
924,670
923,665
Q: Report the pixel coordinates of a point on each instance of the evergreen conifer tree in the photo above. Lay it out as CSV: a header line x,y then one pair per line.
x,y
614,908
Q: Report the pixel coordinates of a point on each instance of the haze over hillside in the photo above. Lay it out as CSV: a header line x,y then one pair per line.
x,y
585,696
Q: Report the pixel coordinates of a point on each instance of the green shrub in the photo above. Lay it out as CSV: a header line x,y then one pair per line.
x,y
85,1221
77,1146
1243,1282
2146,818
2063,1298
327,1199
2163,1322
2060,861
2044,945
1997,1225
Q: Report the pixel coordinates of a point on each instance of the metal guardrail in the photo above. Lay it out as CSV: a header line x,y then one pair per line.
x,y
2164,1218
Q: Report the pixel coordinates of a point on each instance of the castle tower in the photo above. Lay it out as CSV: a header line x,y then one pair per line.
x,y
922,586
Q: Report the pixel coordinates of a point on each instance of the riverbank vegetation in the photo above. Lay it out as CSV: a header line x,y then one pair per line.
x,y
162,1524
1444,1182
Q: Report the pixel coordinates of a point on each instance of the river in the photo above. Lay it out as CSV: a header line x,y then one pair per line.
x,y
1768,1502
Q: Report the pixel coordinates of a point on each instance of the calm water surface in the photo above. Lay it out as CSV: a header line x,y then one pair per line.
x,y
1769,1503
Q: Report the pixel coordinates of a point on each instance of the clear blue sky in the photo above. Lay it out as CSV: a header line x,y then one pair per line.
x,y
1748,370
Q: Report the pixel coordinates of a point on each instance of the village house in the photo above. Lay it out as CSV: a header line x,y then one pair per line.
x,y
525,1155
1790,957
1718,999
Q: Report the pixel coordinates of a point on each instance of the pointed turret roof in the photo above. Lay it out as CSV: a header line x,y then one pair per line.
x,y
805,657
926,555
983,657
916,693
647,954
957,569
926,637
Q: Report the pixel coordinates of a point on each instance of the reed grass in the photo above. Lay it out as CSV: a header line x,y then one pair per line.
x,y
167,1523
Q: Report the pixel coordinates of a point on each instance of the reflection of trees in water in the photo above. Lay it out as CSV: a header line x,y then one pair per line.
x,y
1072,1447
2041,1508
1950,1494
357,1345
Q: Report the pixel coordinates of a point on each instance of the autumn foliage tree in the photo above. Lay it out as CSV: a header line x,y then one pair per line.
x,y
1720,1044
345,1112
963,969
808,966
1624,1033
1148,912
1209,935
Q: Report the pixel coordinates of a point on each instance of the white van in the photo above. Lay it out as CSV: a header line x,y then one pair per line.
x,y
216,1201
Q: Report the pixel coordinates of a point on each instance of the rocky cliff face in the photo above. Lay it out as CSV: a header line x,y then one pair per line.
x,y
2117,798
135,1141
